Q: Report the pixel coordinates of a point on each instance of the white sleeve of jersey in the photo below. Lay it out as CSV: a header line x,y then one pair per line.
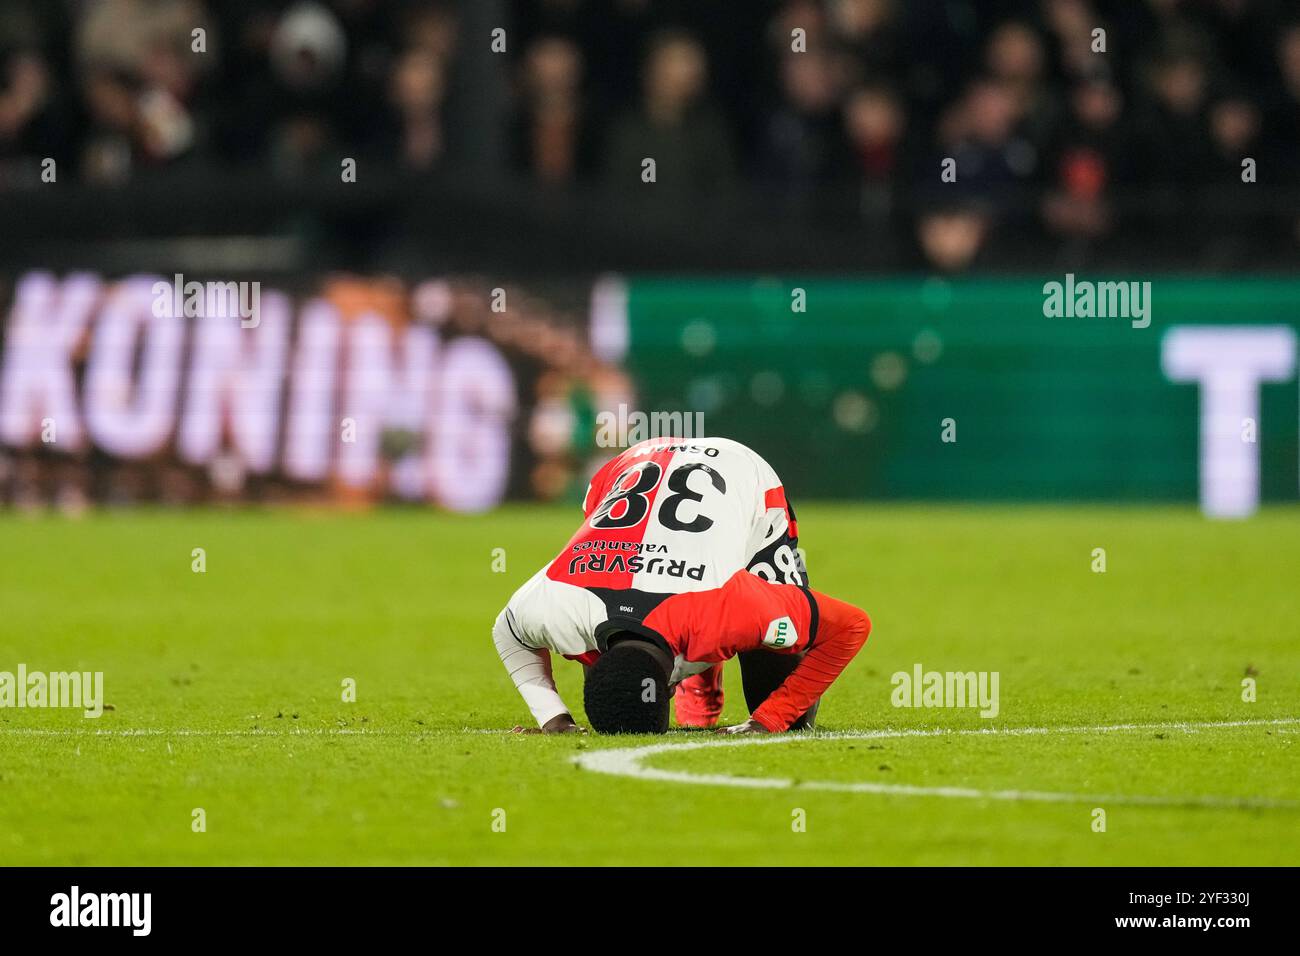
x,y
530,669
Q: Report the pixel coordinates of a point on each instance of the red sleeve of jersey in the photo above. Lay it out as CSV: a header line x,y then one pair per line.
x,y
745,614
842,629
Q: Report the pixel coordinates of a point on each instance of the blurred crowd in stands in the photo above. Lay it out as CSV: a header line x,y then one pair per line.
x,y
1064,115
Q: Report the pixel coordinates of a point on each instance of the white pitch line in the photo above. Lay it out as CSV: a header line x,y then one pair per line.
x,y
627,762
689,738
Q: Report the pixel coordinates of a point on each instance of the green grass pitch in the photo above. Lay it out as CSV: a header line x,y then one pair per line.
x,y
225,690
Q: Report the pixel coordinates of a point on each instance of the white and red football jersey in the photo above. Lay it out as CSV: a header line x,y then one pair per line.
x,y
667,516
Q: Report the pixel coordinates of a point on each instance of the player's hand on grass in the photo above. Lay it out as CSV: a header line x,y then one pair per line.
x,y
563,724
560,724
750,726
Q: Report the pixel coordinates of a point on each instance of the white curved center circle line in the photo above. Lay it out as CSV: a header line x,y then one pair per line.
x,y
629,762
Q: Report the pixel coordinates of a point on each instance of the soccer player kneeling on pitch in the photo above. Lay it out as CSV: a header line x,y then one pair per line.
x,y
663,518
628,687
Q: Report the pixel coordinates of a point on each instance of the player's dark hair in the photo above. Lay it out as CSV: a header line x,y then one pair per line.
x,y
626,690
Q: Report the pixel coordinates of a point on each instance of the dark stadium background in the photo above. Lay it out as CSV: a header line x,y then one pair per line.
x,y
821,161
